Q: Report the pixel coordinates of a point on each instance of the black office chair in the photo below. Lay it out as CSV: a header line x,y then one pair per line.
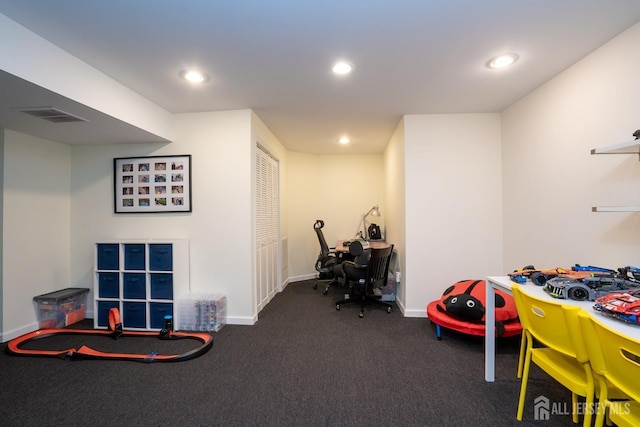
x,y
364,277
326,262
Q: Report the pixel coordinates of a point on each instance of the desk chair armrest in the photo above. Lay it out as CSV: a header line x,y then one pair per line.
x,y
353,264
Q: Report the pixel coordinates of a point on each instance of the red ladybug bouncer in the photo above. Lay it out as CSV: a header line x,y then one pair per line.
x,y
462,308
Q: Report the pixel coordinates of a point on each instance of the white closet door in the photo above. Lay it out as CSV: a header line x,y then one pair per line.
x,y
267,227
273,227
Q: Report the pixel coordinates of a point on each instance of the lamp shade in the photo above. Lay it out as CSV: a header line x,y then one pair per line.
x,y
362,231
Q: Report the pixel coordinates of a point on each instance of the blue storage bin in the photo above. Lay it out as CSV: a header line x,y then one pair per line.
x,y
134,256
161,286
134,285
103,311
160,257
108,285
157,311
108,256
134,314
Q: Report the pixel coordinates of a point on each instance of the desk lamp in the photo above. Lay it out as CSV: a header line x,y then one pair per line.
x,y
374,211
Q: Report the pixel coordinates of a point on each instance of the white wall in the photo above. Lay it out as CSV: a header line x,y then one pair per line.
x,y
219,228
394,161
453,203
36,227
550,179
335,188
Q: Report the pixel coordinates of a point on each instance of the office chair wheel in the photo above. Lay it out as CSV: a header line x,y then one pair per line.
x,y
361,315
325,292
315,286
388,309
338,307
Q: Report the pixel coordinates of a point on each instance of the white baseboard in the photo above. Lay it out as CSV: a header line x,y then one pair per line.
x,y
15,333
302,277
241,320
415,313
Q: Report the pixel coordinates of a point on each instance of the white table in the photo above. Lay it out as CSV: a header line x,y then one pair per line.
x,y
504,283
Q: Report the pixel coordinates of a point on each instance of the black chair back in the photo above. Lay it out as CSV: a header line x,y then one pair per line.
x,y
378,265
324,248
324,257
359,255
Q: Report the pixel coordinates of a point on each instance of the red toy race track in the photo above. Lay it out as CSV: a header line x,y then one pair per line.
x,y
115,331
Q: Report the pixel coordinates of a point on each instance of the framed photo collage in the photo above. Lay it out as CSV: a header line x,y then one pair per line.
x,y
152,184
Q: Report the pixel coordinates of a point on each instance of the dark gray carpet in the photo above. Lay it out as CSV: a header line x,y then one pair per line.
x,y
302,364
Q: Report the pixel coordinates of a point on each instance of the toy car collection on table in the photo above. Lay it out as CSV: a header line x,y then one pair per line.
x,y
615,292
580,283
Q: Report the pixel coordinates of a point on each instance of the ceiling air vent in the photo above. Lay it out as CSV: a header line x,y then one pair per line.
x,y
51,114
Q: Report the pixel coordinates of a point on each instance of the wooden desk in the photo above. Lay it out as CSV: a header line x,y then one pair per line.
x,y
504,283
375,244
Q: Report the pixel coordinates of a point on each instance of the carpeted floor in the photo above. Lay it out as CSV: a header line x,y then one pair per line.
x,y
302,364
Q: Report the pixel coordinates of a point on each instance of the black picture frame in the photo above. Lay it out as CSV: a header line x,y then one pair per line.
x,y
152,184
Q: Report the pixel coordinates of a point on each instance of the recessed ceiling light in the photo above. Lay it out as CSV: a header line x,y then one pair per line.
x,y
344,140
502,60
342,68
194,76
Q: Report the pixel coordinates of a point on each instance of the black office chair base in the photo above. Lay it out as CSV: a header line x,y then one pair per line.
x,y
364,301
330,282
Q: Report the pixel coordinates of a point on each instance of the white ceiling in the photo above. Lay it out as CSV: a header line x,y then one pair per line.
x,y
275,57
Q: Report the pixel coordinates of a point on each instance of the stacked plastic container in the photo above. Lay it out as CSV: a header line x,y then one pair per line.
x,y
61,308
202,312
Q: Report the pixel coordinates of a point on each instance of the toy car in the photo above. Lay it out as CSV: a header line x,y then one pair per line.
x,y
565,287
589,288
624,306
630,273
540,276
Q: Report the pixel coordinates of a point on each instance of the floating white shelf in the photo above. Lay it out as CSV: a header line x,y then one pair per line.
x,y
615,209
629,147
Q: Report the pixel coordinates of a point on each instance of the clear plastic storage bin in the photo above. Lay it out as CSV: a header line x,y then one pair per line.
x,y
61,308
202,313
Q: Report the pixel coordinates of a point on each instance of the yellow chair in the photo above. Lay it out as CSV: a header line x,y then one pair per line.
x,y
523,350
616,361
563,356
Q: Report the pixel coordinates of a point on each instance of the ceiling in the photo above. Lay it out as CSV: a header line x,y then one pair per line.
x,y
275,57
